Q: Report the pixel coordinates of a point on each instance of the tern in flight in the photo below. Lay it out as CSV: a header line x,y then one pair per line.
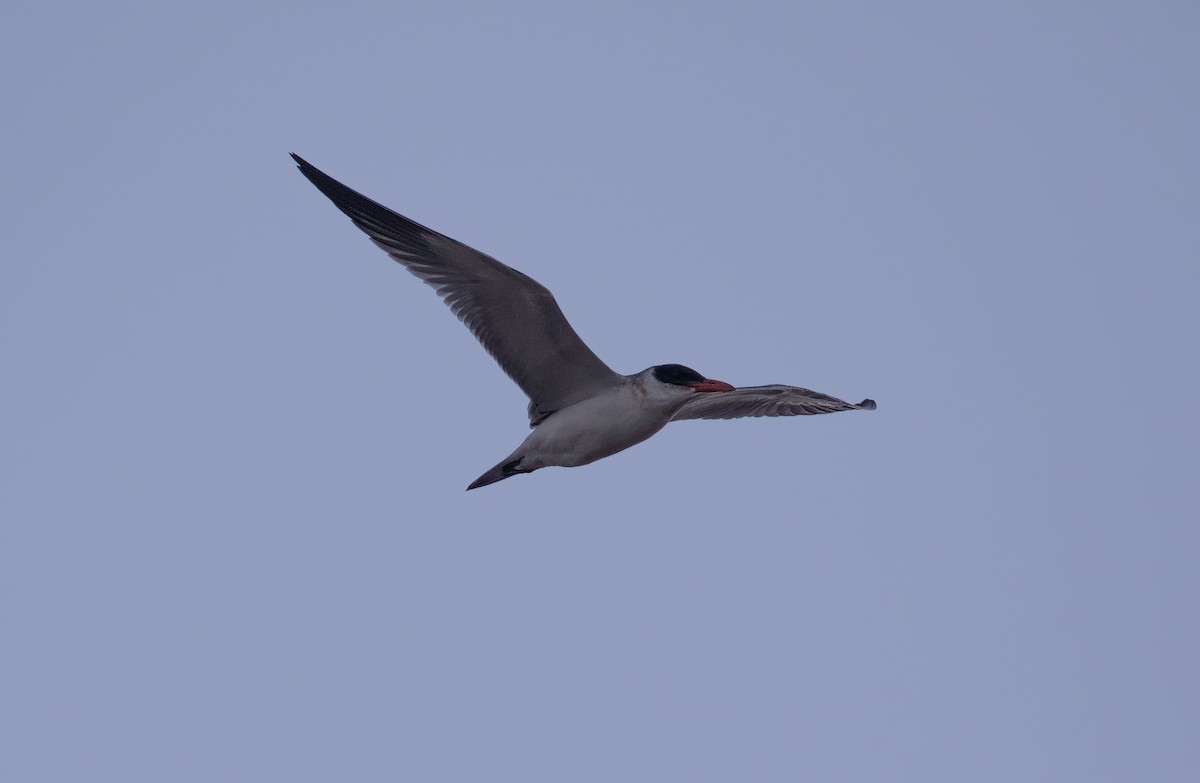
x,y
579,409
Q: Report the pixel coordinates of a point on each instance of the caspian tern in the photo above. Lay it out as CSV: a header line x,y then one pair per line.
x,y
579,409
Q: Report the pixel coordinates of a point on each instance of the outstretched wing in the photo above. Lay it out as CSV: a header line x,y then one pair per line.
x,y
776,400
511,314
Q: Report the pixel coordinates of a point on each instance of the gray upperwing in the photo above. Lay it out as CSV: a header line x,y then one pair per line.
x,y
512,315
776,400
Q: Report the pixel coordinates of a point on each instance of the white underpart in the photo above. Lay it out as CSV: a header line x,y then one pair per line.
x,y
602,425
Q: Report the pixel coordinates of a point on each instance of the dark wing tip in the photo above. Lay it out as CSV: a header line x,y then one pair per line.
x,y
325,183
867,405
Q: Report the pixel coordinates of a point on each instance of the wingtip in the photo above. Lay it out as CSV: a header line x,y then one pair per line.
x,y
867,405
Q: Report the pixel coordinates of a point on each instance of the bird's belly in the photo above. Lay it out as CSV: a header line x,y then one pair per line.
x,y
589,431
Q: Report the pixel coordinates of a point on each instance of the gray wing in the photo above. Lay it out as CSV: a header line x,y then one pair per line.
x,y
511,314
776,400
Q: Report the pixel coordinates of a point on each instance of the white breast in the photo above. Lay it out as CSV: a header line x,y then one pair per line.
x,y
596,428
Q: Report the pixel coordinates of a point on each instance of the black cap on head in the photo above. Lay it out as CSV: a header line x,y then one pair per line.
x,y
677,374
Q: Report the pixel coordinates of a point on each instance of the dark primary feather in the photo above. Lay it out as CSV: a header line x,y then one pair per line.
x,y
513,316
775,400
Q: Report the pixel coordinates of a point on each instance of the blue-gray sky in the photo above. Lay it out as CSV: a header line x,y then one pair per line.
x,y
235,542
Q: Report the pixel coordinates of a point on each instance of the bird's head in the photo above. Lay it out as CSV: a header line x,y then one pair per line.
x,y
675,379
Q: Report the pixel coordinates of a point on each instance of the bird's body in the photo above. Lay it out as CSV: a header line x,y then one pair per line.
x,y
597,427
580,410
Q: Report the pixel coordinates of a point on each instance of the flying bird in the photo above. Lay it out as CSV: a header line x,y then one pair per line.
x,y
579,409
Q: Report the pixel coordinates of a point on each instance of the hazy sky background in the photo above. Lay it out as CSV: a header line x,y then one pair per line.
x,y
235,436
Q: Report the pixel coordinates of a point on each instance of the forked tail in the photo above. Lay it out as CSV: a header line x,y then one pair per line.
x,y
506,469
